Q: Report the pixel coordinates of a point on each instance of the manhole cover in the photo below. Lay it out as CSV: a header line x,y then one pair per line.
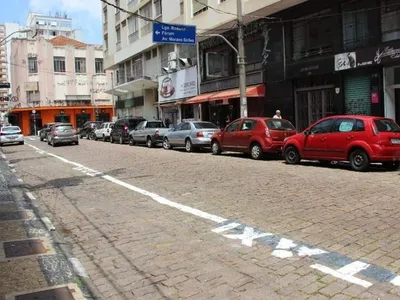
x,y
13,215
63,293
24,248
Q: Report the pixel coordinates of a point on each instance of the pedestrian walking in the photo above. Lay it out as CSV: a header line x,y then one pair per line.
x,y
277,115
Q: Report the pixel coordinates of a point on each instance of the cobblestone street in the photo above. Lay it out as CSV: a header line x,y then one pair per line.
x,y
157,224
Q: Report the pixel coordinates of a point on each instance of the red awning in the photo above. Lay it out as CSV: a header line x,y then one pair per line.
x,y
254,91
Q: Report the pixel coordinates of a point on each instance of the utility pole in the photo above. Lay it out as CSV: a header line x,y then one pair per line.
x,y
113,99
241,61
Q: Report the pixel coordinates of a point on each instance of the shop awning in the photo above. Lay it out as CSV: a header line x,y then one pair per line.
x,y
251,92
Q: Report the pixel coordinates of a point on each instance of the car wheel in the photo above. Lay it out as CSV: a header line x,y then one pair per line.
x,y
111,139
215,148
166,144
77,143
292,156
391,166
359,160
52,143
41,139
256,151
131,141
188,145
104,138
121,140
149,143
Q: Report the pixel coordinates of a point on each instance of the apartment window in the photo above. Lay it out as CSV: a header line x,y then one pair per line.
x,y
117,4
32,64
59,64
137,68
128,66
99,65
105,17
390,20
146,12
355,25
80,65
217,64
313,35
133,29
154,52
254,51
158,8
32,96
148,55
106,42
118,33
198,6
182,7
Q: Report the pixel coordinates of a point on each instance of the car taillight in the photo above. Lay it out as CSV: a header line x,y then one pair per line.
x,y
375,129
267,132
157,133
199,134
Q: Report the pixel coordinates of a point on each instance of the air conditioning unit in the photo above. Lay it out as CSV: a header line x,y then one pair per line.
x,y
172,56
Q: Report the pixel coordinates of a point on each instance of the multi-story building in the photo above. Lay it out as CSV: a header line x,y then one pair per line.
x,y
56,80
51,26
3,71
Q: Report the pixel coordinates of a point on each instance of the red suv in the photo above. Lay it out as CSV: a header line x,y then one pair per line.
x,y
357,139
252,135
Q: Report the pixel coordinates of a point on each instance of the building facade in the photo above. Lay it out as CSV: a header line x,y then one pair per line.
x,y
57,80
3,72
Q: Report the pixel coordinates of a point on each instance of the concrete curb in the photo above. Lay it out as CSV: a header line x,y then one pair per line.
x,y
58,239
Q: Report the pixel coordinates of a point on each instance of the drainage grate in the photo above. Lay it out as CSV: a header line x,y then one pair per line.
x,y
63,293
24,248
13,215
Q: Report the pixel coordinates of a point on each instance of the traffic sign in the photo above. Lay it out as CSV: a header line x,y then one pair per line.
x,y
164,33
4,85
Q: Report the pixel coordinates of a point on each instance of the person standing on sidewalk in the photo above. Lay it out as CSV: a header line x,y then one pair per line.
x,y
277,115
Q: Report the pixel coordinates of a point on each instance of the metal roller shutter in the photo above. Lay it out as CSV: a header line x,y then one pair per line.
x,y
357,95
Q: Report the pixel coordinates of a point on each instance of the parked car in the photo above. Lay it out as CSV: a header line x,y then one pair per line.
x,y
122,127
360,140
149,133
191,135
255,136
103,131
62,133
88,128
44,131
11,135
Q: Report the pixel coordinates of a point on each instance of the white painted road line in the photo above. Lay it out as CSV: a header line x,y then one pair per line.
x,y
30,196
305,251
396,281
342,276
226,227
78,267
353,268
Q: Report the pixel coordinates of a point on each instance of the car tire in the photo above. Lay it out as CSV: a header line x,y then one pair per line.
x,y
104,138
256,152
391,166
292,156
77,143
111,139
52,143
149,142
188,145
81,136
166,144
359,160
215,148
41,139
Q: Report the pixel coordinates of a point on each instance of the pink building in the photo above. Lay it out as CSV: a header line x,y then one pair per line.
x,y
57,80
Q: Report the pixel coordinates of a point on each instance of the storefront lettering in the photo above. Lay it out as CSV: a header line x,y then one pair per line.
x,y
308,69
386,52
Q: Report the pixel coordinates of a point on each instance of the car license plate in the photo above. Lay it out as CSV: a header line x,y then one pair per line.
x,y
396,141
12,137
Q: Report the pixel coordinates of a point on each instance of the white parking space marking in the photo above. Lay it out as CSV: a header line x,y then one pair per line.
x,y
353,268
247,236
305,251
226,227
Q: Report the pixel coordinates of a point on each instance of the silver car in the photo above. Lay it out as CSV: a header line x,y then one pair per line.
x,y
11,135
191,135
62,133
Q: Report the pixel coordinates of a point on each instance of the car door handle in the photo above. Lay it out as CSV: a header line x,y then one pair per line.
x,y
349,137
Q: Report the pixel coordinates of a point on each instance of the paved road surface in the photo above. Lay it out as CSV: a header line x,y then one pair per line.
x,y
157,224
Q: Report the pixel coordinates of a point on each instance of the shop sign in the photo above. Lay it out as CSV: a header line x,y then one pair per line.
x,y
308,68
382,55
178,85
345,61
374,97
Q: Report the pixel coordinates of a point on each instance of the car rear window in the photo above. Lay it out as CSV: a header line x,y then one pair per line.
x,y
11,128
386,125
134,123
204,125
155,125
64,127
279,124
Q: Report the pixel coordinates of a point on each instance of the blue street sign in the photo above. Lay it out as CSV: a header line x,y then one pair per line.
x,y
164,33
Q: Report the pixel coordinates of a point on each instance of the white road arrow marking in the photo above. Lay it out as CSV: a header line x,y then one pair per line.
x,y
285,244
247,236
305,251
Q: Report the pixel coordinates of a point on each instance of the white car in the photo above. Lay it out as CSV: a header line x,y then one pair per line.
x,y
103,132
11,135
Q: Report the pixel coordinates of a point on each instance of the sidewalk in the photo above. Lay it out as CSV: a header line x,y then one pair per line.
x,y
32,263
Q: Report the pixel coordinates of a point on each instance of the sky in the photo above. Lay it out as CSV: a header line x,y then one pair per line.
x,y
85,14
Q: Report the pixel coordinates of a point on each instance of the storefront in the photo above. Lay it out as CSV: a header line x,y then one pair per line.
x,y
26,118
317,91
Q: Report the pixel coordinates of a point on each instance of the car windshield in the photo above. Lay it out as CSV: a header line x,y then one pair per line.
x,y
11,128
134,123
279,124
64,127
386,125
205,125
155,125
